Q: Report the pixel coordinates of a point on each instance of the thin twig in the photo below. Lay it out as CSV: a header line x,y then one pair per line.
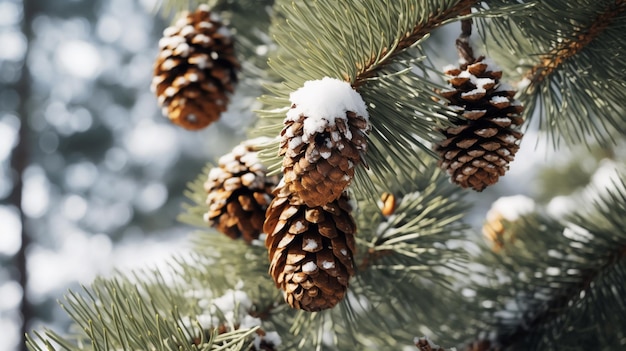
x,y
466,53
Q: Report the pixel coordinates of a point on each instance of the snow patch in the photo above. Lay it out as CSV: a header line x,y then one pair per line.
x,y
491,65
328,265
499,99
476,91
511,207
323,102
309,244
309,267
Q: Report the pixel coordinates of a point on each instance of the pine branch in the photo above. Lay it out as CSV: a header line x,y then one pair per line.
x,y
387,55
568,48
324,38
574,294
569,53
149,311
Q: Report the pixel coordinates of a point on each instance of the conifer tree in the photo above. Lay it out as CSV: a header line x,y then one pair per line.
x,y
366,243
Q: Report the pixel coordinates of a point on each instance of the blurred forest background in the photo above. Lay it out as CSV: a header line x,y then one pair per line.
x,y
103,171
99,173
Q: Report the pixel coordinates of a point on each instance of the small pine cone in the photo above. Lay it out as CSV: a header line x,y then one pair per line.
x,y
196,70
321,144
239,192
310,250
494,231
478,149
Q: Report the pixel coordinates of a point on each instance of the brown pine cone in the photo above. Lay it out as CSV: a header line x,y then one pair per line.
x,y
322,145
310,250
239,192
478,149
196,70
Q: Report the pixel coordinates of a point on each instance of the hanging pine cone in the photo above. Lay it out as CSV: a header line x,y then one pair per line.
x,y
195,70
324,138
310,249
478,149
239,192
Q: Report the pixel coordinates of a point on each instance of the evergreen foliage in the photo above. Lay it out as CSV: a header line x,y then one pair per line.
x,y
557,283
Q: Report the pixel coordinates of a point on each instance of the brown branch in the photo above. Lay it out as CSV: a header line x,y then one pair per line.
x,y
373,66
466,53
570,47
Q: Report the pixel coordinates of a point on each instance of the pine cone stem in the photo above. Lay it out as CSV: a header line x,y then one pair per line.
x,y
466,53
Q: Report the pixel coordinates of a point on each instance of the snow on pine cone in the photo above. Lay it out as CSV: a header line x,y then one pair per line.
x,y
239,192
195,70
310,249
477,150
323,139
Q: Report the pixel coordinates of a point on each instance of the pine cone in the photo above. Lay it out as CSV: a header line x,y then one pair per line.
x,y
322,145
195,70
478,149
310,250
494,231
239,192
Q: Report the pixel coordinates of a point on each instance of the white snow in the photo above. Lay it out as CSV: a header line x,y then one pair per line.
x,y
201,38
295,142
231,299
481,82
344,252
227,158
272,338
205,24
249,322
183,49
181,22
328,265
524,83
186,30
501,119
325,155
491,65
511,207
168,64
309,267
476,91
309,244
204,8
499,99
248,178
466,74
323,102
168,32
